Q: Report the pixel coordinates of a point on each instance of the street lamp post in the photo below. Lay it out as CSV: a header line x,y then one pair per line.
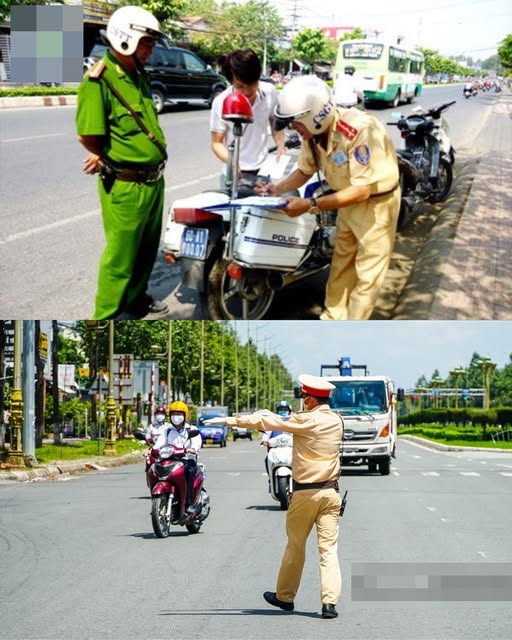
x,y
438,383
110,442
155,349
15,456
487,367
457,374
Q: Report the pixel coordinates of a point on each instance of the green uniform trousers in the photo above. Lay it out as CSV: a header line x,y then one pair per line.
x,y
132,222
309,507
365,235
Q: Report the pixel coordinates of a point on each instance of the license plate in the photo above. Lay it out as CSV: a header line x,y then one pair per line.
x,y
194,242
209,440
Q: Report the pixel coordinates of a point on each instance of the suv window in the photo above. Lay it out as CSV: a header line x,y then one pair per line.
x,y
193,63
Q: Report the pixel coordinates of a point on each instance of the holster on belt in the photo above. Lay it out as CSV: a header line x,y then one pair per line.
x,y
108,175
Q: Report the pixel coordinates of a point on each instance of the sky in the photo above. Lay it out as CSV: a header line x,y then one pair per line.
x,y
467,27
403,350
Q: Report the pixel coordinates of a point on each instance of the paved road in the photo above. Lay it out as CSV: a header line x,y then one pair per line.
x,y
51,237
80,561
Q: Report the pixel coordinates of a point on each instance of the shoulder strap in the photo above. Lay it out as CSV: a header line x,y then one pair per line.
x,y
137,119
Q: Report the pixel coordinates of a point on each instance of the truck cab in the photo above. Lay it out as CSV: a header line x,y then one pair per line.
x,y
367,405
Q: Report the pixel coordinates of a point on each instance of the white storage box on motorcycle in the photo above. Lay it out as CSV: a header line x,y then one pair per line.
x,y
269,238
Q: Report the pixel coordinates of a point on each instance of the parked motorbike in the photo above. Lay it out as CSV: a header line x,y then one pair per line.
x,y
168,485
237,257
425,162
280,468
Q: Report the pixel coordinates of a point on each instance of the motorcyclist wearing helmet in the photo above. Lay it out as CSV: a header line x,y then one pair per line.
x,y
283,410
159,424
177,434
347,92
358,159
129,159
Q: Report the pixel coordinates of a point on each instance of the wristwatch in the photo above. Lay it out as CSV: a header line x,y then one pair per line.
x,y
313,206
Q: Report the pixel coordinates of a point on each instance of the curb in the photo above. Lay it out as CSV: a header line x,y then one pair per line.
x,y
38,101
56,469
444,447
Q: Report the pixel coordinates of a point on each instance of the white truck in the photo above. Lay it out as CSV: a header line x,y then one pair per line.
x,y
368,407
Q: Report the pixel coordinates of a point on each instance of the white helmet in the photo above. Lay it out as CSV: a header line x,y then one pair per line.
x,y
308,100
128,25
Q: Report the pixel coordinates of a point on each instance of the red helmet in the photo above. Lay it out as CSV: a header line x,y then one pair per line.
x,y
160,410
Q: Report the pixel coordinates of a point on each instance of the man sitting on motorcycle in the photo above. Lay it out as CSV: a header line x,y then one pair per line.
x,y
159,425
177,434
283,410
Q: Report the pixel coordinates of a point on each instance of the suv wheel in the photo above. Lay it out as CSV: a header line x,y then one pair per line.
x,y
158,99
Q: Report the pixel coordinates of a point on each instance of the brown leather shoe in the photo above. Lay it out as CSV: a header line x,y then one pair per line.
x,y
272,599
329,611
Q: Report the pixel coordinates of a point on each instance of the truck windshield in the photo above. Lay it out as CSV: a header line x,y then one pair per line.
x,y
359,397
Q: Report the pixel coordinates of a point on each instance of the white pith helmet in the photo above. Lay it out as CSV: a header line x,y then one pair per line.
x,y
128,25
308,100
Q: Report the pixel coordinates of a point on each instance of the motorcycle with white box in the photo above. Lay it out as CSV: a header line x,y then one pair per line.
x,y
280,468
238,251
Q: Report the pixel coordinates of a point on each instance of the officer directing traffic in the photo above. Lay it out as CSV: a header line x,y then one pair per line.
x,y
317,434
355,154
117,123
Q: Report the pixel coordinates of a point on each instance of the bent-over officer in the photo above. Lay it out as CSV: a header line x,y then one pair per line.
x,y
117,123
317,434
358,160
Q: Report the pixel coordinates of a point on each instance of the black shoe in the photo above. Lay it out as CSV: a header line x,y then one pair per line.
x,y
183,517
272,599
329,611
147,305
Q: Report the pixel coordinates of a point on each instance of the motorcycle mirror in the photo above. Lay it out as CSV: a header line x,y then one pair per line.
x,y
140,435
297,392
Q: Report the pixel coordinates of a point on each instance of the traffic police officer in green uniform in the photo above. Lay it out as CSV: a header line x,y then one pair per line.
x,y
117,123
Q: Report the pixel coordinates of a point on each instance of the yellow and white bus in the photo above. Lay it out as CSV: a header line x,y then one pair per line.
x,y
385,72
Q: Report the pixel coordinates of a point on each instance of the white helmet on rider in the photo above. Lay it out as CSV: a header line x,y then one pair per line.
x,y
128,25
308,100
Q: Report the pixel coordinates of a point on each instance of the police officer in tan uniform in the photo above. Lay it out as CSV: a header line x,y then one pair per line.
x,y
317,434
358,160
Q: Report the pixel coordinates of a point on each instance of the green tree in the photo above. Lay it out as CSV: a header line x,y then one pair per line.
x,y
356,34
310,45
505,53
252,25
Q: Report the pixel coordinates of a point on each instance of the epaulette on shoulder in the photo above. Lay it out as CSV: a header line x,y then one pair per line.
x,y
346,129
96,70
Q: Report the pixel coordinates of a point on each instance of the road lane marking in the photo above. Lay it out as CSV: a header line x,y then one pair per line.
x,y
21,235
432,508
429,473
482,553
44,135
395,473
469,473
506,473
445,520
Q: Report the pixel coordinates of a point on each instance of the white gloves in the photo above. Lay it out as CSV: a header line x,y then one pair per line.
x,y
215,422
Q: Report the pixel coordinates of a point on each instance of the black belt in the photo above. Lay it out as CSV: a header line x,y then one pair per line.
x,y
384,193
329,484
137,173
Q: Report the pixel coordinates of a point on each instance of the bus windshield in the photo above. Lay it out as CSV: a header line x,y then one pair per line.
x,y
364,50
353,397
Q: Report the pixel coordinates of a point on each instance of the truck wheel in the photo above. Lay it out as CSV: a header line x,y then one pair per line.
x,y
384,467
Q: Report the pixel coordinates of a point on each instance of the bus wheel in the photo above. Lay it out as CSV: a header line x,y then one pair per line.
x,y
396,101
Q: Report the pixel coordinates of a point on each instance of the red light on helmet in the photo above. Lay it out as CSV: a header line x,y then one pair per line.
x,y
237,108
